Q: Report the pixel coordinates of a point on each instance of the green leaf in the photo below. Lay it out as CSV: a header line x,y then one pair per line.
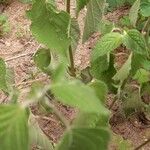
x,y
135,41
3,83
103,69
137,62
145,8
13,128
95,11
100,89
86,120
106,44
37,137
76,94
91,120
100,65
81,4
49,26
105,26
142,76
42,59
74,33
85,139
133,14
124,72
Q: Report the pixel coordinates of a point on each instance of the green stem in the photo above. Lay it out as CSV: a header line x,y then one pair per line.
x,y
72,69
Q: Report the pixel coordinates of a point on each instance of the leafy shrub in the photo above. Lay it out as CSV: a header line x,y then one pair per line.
x,y
85,90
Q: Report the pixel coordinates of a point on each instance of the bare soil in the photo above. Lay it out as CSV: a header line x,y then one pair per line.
x,y
18,47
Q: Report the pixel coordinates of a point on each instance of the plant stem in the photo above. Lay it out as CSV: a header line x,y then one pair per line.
x,y
143,144
68,6
71,68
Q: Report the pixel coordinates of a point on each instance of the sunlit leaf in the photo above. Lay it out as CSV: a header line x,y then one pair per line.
x,y
49,26
106,44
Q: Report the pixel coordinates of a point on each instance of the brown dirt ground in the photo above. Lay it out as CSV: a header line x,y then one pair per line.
x,y
17,48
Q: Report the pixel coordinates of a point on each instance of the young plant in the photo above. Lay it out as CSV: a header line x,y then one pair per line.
x,y
136,67
59,32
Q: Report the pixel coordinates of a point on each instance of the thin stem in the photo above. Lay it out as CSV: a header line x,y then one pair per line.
x,y
71,68
143,144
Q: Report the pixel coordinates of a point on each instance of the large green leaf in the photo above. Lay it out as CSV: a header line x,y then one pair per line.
x,y
37,137
106,44
95,9
13,128
81,4
135,41
145,8
76,94
49,26
133,15
3,83
85,139
123,73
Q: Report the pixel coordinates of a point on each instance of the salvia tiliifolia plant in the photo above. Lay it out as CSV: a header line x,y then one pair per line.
x,y
59,33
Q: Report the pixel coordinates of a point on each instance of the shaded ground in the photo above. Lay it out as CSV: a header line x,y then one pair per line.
x,y
17,49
